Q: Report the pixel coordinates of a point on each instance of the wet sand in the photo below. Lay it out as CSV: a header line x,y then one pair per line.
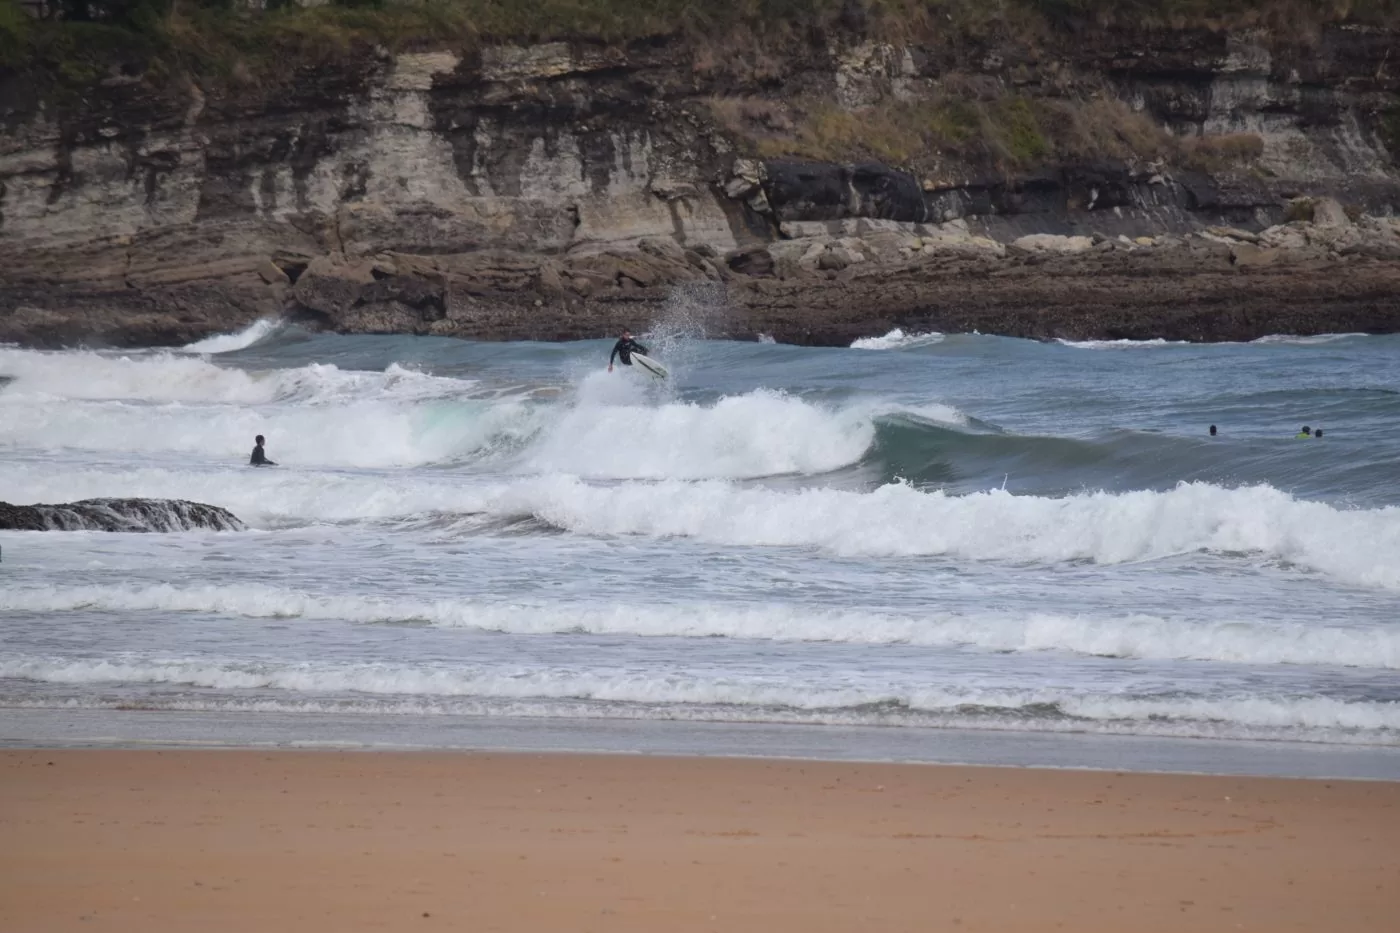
x,y
334,841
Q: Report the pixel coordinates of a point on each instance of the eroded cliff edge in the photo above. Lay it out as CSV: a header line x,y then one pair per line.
x,y
561,190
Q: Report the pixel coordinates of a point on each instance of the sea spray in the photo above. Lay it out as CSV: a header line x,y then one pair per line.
x,y
251,335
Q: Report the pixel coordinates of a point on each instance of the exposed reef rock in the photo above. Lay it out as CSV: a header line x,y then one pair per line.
x,y
118,515
564,190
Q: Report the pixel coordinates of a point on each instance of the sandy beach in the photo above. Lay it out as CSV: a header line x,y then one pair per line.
x,y
255,840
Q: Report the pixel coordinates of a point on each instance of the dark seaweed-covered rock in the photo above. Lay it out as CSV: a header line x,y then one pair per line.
x,y
118,515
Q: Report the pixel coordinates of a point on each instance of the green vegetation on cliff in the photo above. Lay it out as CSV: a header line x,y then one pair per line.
x,y
955,129
80,38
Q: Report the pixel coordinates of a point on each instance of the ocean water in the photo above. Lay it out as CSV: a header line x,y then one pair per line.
x,y
921,532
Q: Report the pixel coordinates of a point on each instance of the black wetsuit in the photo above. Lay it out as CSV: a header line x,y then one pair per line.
x,y
624,348
259,458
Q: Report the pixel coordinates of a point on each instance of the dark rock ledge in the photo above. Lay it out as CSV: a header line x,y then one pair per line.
x,y
118,515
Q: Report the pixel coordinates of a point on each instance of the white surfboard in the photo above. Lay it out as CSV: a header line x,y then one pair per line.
x,y
650,365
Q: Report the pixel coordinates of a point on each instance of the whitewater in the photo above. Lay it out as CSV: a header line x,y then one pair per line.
x,y
921,532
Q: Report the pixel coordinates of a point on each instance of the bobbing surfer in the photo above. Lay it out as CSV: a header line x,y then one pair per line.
x,y
259,457
624,348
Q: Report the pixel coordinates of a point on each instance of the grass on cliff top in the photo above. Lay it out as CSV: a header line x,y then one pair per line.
x,y
218,37
1004,132
958,130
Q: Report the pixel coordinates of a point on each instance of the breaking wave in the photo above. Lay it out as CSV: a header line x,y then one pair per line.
x,y
1121,344
320,415
170,378
1137,636
226,343
897,339
1309,341
679,694
760,433
1358,546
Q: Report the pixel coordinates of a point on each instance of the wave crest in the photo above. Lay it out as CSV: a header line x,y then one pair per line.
x,y
897,339
675,694
1137,636
227,343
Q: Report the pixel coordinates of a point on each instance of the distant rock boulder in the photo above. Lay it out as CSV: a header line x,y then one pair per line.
x,y
118,515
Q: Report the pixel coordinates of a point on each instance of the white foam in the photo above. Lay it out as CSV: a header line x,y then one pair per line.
x,y
163,378
1359,546
984,720
1272,339
1266,712
242,340
760,433
364,434
897,520
316,415
1122,344
260,497
611,425
1309,341
725,696
1132,636
897,339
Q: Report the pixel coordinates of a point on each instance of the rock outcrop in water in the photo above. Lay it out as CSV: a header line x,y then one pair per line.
x,y
118,515
563,190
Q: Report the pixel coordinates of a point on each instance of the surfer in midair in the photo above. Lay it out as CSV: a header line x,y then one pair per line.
x,y
624,348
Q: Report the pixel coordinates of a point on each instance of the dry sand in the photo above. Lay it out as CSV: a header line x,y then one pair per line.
x,y
329,841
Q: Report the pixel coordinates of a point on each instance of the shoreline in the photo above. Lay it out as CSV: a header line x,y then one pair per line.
x,y
326,840
62,728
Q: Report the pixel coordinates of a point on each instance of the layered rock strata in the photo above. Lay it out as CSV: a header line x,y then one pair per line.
x,y
564,190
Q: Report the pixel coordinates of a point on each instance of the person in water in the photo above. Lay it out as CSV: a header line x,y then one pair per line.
x,y
1212,430
624,348
1317,433
1306,432
259,457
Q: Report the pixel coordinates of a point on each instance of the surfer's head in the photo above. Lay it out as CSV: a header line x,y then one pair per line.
x,y
1306,429
626,334
258,440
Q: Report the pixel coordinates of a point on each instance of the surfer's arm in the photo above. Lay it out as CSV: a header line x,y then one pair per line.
x,y
638,348
616,347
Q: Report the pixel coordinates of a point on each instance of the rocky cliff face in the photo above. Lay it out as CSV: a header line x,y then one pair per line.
x,y
559,190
